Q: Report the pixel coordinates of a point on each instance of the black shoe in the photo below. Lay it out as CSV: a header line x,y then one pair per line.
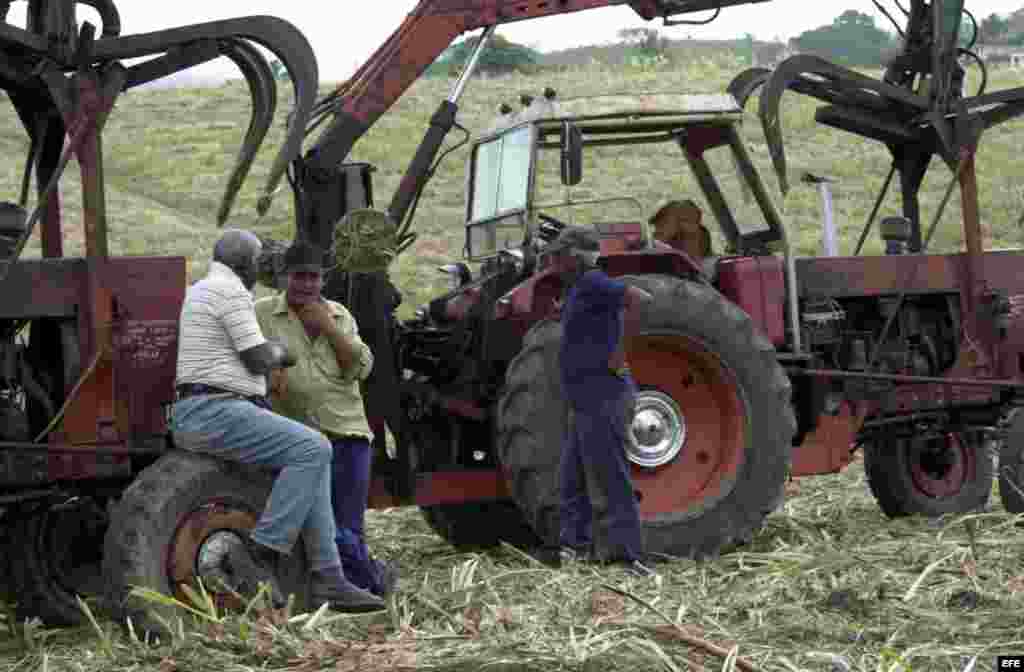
x,y
339,593
387,578
571,554
639,569
250,564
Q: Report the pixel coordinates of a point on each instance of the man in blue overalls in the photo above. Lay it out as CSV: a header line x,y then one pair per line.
x,y
595,481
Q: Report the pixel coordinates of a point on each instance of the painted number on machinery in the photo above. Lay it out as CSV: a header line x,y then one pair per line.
x,y
148,344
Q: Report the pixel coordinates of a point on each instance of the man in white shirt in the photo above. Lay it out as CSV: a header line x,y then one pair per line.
x,y
221,410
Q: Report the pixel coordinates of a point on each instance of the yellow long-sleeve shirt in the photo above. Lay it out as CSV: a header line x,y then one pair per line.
x,y
318,393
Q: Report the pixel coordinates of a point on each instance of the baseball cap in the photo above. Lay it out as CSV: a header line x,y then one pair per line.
x,y
577,238
303,256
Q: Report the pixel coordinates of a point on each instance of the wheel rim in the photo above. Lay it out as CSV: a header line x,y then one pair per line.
x,y
940,466
658,431
203,539
707,438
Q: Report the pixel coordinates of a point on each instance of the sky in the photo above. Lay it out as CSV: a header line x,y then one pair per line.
x,y
342,39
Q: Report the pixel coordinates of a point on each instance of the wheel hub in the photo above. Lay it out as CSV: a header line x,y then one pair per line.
x,y
940,466
658,432
211,555
201,543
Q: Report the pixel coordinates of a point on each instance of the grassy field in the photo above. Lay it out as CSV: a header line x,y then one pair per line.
x,y
168,153
830,584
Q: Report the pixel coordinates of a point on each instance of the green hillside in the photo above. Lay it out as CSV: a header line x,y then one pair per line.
x,y
829,584
168,153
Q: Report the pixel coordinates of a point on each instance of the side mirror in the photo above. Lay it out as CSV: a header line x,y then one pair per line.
x,y
572,154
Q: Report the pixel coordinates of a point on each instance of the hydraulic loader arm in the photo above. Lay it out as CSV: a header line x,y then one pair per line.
x,y
421,38
424,35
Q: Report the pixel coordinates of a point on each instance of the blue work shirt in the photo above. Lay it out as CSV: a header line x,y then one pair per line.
x,y
591,330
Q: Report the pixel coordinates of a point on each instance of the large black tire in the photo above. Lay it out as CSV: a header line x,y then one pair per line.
x,y
475,525
695,348
480,525
162,522
1011,466
930,478
55,557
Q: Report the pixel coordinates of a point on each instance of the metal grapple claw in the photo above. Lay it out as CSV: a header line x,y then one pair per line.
x,y
263,90
109,15
816,77
277,35
744,84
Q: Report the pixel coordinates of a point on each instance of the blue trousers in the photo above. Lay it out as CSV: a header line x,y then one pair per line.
x,y
594,477
300,501
349,494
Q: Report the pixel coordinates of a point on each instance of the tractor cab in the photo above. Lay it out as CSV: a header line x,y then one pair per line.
x,y
611,161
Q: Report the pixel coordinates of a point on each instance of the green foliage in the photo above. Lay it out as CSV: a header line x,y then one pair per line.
x,y
994,28
501,56
644,48
852,39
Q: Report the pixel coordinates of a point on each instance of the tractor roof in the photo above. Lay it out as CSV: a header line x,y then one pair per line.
x,y
625,112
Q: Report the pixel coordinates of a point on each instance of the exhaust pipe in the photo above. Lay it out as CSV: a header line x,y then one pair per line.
x,y
829,240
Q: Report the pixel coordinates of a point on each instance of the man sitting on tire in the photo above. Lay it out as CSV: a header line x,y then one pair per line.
x,y
322,392
221,410
601,394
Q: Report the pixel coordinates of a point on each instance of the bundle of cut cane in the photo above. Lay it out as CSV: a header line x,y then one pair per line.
x,y
270,263
367,240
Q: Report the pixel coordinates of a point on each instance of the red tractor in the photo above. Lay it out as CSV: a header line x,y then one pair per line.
x,y
754,365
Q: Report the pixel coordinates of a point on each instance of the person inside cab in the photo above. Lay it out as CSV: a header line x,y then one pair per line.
x,y
678,225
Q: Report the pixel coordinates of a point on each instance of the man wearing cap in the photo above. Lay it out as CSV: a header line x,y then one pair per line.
x,y
600,393
224,359
322,391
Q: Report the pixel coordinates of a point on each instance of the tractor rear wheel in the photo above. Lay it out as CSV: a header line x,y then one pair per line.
x,y
710,444
175,524
935,476
480,525
1011,466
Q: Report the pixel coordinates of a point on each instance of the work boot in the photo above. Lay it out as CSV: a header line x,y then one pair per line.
x,y
331,586
250,564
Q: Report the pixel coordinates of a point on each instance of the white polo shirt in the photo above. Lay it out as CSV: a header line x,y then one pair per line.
x,y
218,321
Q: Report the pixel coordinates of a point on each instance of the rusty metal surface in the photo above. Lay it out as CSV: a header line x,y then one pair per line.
x,y
829,448
447,487
906,379
838,277
188,539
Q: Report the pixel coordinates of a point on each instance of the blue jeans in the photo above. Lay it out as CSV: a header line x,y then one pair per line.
x,y
594,478
349,494
300,501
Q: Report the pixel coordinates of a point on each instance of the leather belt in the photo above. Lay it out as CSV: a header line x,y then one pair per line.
x,y
186,390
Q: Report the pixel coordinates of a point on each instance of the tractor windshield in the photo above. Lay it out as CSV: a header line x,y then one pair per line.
x,y
499,191
628,171
501,174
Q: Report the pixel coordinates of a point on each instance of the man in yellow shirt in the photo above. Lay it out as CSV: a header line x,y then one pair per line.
x,y
322,391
